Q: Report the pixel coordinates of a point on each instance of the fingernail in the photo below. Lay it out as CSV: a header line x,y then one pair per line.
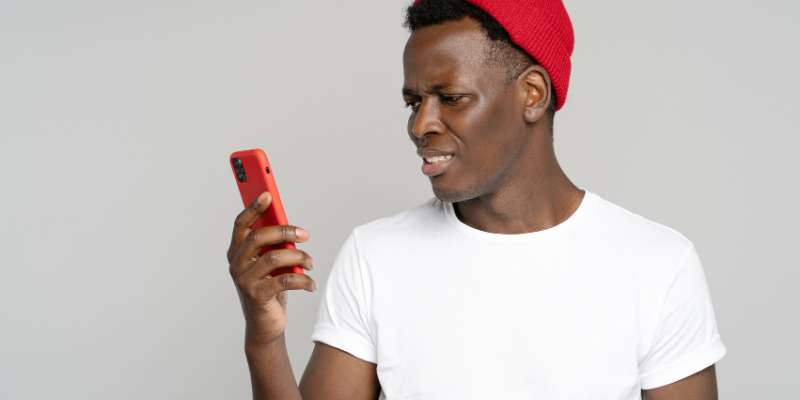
x,y
260,199
301,233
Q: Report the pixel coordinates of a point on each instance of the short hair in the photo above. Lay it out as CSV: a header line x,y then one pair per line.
x,y
501,51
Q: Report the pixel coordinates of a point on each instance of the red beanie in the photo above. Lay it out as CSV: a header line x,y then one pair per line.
x,y
543,29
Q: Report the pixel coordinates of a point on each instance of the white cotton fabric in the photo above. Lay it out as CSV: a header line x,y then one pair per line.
x,y
600,306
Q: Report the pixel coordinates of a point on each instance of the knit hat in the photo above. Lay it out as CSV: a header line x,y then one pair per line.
x,y
543,29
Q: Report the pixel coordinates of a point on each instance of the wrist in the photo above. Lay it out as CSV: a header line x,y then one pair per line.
x,y
254,344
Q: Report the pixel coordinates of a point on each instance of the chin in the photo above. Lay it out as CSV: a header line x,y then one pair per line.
x,y
453,193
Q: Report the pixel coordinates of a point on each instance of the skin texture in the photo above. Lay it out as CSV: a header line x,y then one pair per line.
x,y
503,178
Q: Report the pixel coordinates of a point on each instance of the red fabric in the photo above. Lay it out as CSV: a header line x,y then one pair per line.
x,y
543,29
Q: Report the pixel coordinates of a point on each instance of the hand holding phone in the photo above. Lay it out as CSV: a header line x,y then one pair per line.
x,y
264,261
254,175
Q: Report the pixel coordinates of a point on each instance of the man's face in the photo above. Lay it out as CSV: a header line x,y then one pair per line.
x,y
462,107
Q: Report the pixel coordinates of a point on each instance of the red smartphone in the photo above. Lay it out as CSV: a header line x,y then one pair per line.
x,y
254,176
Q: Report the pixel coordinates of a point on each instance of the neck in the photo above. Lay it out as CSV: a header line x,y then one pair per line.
x,y
537,195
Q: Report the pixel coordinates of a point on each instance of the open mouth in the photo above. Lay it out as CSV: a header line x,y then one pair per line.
x,y
436,159
436,165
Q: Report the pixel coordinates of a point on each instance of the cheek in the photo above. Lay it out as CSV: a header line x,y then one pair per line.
x,y
487,135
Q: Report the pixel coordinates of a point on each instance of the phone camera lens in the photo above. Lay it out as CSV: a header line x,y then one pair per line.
x,y
238,168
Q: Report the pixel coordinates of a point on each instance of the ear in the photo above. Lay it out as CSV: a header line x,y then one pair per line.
x,y
534,84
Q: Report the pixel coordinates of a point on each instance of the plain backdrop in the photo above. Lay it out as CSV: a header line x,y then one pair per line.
x,y
117,117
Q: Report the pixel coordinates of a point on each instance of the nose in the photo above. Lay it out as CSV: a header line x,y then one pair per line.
x,y
425,120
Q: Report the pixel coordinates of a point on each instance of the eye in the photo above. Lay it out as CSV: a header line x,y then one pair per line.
x,y
450,99
413,105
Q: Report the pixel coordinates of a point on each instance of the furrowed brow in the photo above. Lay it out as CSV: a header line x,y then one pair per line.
x,y
435,89
409,92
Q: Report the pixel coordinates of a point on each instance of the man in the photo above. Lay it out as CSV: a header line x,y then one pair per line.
x,y
510,283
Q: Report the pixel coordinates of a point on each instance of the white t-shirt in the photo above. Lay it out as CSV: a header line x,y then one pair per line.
x,y
600,306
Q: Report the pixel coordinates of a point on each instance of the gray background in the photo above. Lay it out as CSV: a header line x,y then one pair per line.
x,y
116,119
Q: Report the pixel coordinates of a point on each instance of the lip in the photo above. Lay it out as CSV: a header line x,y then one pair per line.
x,y
437,168
433,153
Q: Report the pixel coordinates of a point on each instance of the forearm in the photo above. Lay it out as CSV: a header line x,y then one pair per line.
x,y
271,371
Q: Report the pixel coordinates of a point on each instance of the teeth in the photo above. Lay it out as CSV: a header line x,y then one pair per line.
x,y
431,160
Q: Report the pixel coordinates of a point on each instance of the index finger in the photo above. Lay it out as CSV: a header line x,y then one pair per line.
x,y
246,218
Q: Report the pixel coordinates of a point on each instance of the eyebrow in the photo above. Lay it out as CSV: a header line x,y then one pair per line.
x,y
434,89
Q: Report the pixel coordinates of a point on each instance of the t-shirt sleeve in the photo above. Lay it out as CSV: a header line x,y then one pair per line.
x,y
686,340
343,320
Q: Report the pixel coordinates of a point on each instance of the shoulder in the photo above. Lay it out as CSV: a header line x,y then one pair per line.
x,y
623,227
651,253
